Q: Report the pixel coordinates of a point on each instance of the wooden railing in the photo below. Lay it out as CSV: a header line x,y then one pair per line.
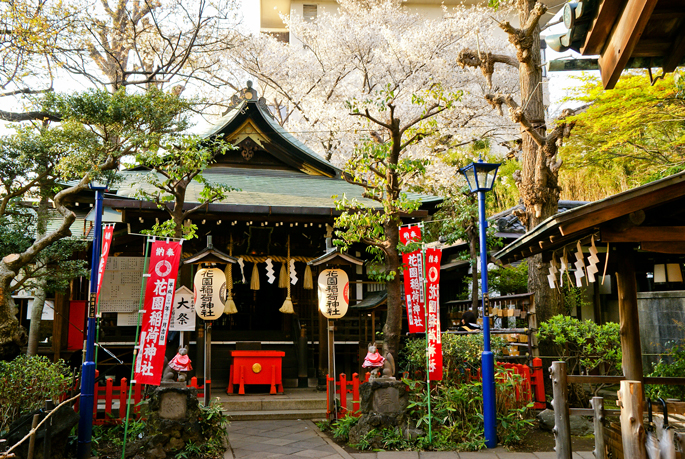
x,y
343,387
109,393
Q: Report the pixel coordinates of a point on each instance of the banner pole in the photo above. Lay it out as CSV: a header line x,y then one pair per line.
x,y
425,310
135,346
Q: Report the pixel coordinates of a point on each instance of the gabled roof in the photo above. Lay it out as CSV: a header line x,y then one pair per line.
x,y
252,117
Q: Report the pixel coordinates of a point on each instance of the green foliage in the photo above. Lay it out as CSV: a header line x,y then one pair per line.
x,y
672,365
584,345
573,298
26,382
628,136
213,423
341,427
509,280
460,353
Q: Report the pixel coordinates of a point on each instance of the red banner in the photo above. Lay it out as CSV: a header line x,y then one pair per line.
x,y
107,237
413,280
434,334
159,296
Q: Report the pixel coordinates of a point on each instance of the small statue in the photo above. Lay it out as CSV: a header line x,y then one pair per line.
x,y
178,367
373,360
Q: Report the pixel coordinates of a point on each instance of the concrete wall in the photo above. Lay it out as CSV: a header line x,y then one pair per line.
x,y
662,315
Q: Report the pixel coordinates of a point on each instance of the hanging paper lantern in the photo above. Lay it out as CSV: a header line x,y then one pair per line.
x,y
209,289
334,293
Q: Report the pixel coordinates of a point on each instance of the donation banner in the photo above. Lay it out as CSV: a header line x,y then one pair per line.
x,y
159,296
413,280
107,237
434,335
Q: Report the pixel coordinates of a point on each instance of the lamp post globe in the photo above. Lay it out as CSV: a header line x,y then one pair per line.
x,y
480,177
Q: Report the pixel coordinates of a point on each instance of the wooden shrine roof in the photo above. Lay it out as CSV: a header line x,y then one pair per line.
x,y
621,30
651,216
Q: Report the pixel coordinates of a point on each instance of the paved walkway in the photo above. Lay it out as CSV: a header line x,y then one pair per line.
x,y
300,439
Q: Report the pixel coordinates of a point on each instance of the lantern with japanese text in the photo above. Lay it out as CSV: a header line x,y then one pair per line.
x,y
334,293
209,290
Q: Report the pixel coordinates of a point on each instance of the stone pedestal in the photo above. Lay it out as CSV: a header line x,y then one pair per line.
x,y
172,421
384,404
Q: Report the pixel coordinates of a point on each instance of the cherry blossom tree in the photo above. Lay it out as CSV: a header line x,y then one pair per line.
x,y
375,89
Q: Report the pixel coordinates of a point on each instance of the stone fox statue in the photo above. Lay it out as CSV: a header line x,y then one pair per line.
x,y
178,368
376,361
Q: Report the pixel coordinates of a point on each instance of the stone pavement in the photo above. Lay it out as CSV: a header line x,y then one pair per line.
x,y
301,439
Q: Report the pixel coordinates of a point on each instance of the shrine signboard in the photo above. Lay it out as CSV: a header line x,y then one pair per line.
x,y
334,293
183,315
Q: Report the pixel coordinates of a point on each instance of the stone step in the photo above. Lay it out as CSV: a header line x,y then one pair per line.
x,y
247,403
275,415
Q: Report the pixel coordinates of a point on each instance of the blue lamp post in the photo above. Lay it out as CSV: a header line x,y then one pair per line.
x,y
85,426
480,177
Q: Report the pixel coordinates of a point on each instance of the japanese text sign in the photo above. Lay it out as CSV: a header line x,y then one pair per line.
x,y
183,314
334,293
433,305
413,280
107,237
159,296
210,289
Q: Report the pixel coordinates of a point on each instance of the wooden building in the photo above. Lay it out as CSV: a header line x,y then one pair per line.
x,y
283,210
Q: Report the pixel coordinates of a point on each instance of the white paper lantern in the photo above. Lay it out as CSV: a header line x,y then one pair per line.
x,y
334,293
209,290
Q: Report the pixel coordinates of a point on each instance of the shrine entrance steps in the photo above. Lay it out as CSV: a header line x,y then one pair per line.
x,y
291,404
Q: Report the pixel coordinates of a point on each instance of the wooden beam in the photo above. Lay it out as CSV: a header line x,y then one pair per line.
x,y
677,51
619,209
628,315
608,12
623,38
664,247
644,234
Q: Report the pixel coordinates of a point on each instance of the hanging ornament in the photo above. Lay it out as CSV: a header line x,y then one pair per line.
x,y
254,281
307,282
241,262
283,277
580,265
287,307
293,274
270,277
229,305
552,277
564,268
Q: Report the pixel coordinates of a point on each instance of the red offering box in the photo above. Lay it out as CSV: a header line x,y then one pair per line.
x,y
256,367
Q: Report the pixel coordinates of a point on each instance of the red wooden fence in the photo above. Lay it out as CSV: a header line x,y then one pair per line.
x,y
109,393
531,388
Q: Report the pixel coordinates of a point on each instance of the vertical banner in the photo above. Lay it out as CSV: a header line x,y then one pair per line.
x,y
183,315
159,295
413,280
434,334
106,244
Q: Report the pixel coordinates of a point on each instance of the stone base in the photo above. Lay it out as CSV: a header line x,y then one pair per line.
x,y
384,404
172,421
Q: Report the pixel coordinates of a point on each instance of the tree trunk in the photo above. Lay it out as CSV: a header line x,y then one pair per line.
x,y
39,298
12,335
393,323
538,185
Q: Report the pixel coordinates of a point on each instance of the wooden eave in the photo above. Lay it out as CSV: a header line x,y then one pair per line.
x,y
335,257
601,217
625,29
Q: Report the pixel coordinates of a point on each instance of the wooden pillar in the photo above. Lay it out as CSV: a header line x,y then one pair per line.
x,y
562,424
323,343
629,319
598,421
632,429
61,313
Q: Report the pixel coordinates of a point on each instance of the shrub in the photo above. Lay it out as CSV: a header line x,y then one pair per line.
x,y
673,365
460,353
26,382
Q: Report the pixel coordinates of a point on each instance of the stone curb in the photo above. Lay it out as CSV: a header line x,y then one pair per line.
x,y
335,446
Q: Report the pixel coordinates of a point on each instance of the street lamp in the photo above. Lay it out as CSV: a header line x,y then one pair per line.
x,y
85,427
480,177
